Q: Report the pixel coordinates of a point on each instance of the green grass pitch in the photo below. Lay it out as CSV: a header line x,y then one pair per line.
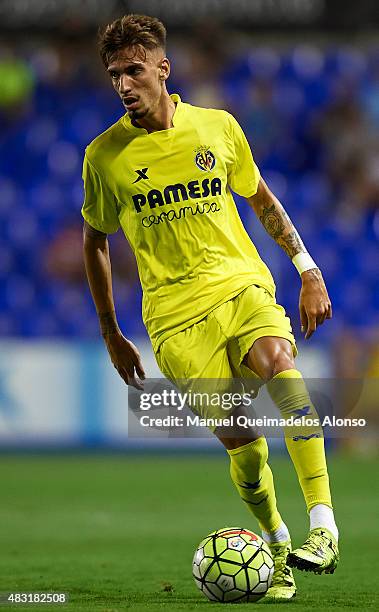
x,y
117,532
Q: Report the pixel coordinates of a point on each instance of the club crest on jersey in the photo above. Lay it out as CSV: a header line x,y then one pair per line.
x,y
204,158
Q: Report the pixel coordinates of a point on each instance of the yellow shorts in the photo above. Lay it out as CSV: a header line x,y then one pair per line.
x,y
213,349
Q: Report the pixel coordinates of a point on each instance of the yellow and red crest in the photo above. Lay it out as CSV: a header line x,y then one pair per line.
x,y
204,158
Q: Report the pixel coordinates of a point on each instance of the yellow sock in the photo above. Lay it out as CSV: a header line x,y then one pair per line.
x,y
254,482
288,391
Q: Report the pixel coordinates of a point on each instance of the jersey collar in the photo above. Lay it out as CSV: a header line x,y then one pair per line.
x,y
179,109
176,118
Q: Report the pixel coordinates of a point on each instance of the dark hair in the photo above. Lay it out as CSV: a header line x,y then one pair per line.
x,y
128,31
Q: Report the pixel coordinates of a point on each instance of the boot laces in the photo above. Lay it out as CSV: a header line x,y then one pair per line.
x,y
282,573
314,543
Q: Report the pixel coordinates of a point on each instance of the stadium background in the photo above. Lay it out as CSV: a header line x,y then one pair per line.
x,y
303,80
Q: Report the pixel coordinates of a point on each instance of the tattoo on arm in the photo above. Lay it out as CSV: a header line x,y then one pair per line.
x,y
277,223
292,244
108,323
314,274
272,221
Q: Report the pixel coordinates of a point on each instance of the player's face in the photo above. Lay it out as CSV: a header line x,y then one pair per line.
x,y
138,75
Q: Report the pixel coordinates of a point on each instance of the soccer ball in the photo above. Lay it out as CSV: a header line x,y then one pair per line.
x,y
233,564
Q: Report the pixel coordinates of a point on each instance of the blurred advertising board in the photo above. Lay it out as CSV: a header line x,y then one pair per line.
x,y
62,394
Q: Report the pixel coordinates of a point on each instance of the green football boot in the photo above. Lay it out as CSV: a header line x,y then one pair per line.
x,y
283,585
318,554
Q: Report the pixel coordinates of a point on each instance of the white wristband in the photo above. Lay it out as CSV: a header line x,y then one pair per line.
x,y
303,262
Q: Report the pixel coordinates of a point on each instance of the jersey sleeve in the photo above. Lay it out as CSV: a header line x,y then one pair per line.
x,y
99,207
244,175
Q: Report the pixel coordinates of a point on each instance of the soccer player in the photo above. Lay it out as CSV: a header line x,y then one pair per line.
x,y
164,174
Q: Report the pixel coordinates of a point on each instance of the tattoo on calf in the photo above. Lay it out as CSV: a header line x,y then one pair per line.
x,y
108,323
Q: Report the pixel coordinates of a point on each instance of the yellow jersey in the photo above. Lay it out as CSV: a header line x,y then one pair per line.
x,y
170,192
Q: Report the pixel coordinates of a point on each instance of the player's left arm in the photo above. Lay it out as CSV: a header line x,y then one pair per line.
x,y
314,302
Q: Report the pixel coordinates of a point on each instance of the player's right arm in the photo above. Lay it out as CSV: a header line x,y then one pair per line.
x,y
123,353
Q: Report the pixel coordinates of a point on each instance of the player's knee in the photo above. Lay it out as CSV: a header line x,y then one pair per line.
x,y
271,359
279,363
280,360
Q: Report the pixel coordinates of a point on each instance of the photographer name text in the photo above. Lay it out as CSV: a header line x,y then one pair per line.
x,y
246,422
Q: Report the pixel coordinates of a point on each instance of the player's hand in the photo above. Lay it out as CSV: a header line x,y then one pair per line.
x,y
126,359
314,303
